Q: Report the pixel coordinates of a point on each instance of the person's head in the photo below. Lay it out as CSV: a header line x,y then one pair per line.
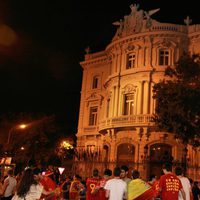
x,y
95,172
178,171
124,171
25,183
76,177
167,168
107,172
117,172
135,174
152,177
10,172
37,174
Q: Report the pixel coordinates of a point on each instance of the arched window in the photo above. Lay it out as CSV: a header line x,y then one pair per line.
x,y
161,153
125,152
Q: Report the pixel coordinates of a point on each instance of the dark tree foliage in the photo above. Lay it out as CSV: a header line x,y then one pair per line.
x,y
178,100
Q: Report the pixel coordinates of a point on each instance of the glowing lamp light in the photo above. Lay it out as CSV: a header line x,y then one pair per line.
x,y
66,145
22,126
61,170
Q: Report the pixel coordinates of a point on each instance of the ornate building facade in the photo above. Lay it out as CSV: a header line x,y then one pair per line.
x,y
116,108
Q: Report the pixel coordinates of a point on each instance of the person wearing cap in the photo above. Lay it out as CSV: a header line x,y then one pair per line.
x,y
47,182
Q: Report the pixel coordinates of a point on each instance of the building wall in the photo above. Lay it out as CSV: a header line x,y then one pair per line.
x,y
115,128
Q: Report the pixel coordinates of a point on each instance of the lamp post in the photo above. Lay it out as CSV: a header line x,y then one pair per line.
x,y
21,126
6,148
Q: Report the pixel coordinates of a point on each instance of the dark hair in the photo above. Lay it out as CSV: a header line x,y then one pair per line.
x,y
125,168
117,171
36,171
196,183
108,172
151,177
191,180
167,166
77,176
135,174
95,172
178,171
25,183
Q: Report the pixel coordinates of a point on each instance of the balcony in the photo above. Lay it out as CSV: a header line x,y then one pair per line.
x,y
90,129
126,121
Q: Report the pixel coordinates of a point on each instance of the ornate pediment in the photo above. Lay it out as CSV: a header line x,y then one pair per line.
x,y
165,43
129,88
94,97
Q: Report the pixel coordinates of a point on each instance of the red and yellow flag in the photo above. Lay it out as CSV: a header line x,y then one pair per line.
x,y
140,190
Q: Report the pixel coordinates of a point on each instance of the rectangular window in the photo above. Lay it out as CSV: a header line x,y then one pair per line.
x,y
130,61
95,82
93,116
128,104
163,57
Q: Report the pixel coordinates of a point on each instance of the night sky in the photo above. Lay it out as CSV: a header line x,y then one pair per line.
x,y
44,41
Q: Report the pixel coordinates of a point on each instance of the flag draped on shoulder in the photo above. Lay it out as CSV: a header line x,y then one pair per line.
x,y
140,190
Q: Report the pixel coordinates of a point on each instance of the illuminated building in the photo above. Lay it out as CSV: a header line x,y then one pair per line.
x,y
115,120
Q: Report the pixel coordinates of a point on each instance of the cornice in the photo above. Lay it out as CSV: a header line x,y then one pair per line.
x,y
95,61
142,37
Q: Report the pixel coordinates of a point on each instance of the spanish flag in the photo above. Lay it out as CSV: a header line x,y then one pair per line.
x,y
140,190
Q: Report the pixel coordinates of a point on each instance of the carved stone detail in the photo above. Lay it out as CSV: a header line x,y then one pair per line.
x,y
129,88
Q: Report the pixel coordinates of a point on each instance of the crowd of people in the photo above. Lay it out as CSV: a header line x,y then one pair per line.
x,y
33,184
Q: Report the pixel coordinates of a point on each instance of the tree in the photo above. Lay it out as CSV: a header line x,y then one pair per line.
x,y
178,100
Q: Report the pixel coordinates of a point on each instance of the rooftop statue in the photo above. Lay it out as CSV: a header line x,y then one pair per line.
x,y
187,21
148,16
133,23
119,23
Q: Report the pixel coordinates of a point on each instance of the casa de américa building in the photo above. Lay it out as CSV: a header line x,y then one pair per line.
x,y
115,120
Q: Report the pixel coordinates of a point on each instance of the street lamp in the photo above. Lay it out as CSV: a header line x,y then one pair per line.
x,y
21,126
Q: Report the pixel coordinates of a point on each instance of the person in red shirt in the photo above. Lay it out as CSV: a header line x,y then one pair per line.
x,y
93,185
170,185
102,192
154,183
47,183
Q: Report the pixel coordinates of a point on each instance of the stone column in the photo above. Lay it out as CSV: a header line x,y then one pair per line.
x,y
146,97
140,98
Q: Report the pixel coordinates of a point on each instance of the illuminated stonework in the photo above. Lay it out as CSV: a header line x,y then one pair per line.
x,y
115,120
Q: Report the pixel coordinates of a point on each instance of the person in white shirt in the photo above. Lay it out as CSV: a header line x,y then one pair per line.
x,y
185,183
10,184
28,187
116,188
